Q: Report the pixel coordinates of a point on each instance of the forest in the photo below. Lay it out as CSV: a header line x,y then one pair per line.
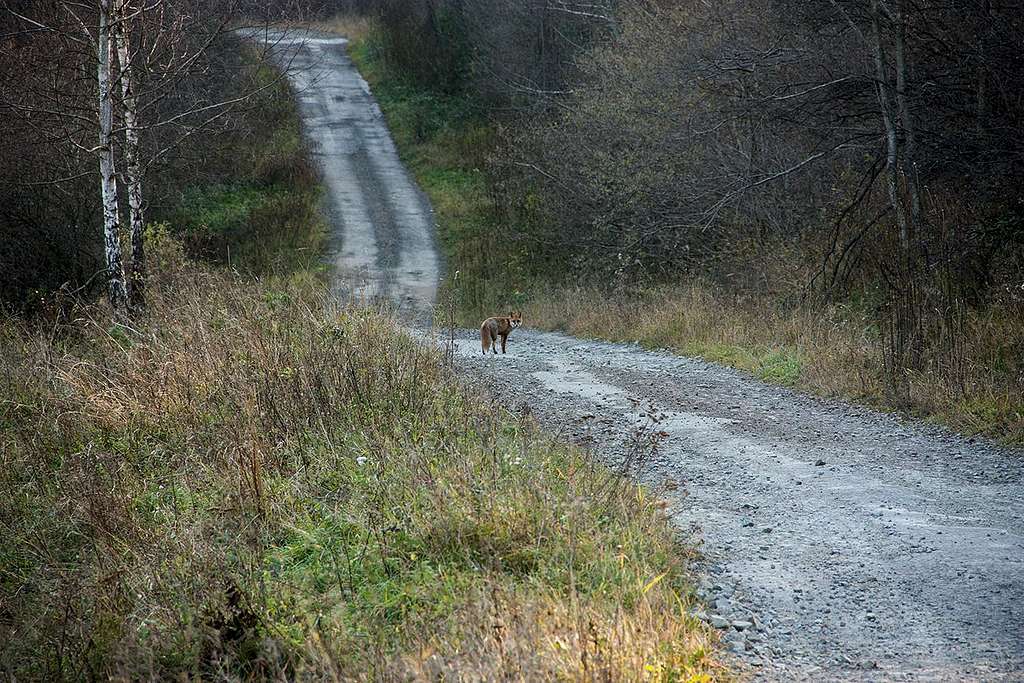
x,y
836,182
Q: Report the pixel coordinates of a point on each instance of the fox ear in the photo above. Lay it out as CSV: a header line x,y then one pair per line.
x,y
511,314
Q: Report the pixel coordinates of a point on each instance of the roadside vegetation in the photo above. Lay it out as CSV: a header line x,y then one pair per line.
x,y
257,485
579,202
256,208
249,482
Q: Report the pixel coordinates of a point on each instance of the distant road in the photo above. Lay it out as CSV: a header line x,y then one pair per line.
x,y
382,242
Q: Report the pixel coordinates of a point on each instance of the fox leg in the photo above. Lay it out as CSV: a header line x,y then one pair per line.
x,y
504,338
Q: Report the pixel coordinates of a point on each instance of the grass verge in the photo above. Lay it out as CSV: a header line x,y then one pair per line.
x,y
256,485
835,352
261,212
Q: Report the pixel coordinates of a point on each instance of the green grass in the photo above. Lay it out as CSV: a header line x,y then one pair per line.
x,y
221,209
262,216
262,485
443,139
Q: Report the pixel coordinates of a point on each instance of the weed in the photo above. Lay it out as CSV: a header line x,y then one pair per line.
x,y
271,489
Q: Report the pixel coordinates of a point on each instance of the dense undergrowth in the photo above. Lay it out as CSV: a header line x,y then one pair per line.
x,y
252,483
832,350
256,484
257,210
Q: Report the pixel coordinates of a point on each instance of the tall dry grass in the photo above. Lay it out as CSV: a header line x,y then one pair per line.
x,y
255,484
832,350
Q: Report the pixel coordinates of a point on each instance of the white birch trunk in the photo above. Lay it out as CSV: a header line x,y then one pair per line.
x,y
108,176
136,218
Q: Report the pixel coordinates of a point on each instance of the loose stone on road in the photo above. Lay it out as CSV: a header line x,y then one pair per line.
x,y
840,543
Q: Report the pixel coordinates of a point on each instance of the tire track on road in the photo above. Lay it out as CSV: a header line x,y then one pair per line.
x,y
382,246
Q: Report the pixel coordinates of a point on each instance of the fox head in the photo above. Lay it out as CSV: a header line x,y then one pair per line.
x,y
515,319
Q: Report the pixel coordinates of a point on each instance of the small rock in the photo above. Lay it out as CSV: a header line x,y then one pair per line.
x,y
718,621
741,625
733,636
819,463
737,646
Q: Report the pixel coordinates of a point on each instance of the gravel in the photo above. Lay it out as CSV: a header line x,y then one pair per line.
x,y
858,545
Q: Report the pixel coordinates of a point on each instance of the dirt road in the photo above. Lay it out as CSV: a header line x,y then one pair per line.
x,y
864,547
382,248
841,544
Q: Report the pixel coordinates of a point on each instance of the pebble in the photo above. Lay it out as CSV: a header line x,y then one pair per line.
x,y
718,621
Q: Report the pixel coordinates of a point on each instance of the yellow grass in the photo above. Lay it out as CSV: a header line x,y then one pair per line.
x,y
255,484
831,351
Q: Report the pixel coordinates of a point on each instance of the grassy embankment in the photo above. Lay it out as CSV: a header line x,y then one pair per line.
x,y
834,351
253,484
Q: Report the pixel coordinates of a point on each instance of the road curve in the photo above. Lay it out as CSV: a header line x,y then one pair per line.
x,y
382,243
847,544
840,543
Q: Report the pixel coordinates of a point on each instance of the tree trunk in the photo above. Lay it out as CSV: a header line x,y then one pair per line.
x,y
909,156
137,272
108,176
981,72
889,122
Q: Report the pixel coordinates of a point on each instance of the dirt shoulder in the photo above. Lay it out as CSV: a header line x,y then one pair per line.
x,y
840,543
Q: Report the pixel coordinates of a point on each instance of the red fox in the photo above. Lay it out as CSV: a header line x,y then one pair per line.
x,y
498,326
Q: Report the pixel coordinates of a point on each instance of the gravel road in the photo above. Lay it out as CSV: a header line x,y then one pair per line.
x,y
840,543
382,247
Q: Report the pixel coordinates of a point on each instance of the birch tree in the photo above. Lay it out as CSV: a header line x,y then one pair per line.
x,y
133,151
105,44
145,55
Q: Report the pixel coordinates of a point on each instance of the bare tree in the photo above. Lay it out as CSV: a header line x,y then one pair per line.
x,y
127,14
105,46
145,56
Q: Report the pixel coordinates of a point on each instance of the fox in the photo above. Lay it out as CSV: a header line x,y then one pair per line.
x,y
498,327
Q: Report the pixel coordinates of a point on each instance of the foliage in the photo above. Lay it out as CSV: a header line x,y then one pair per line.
x,y
257,209
256,484
602,203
